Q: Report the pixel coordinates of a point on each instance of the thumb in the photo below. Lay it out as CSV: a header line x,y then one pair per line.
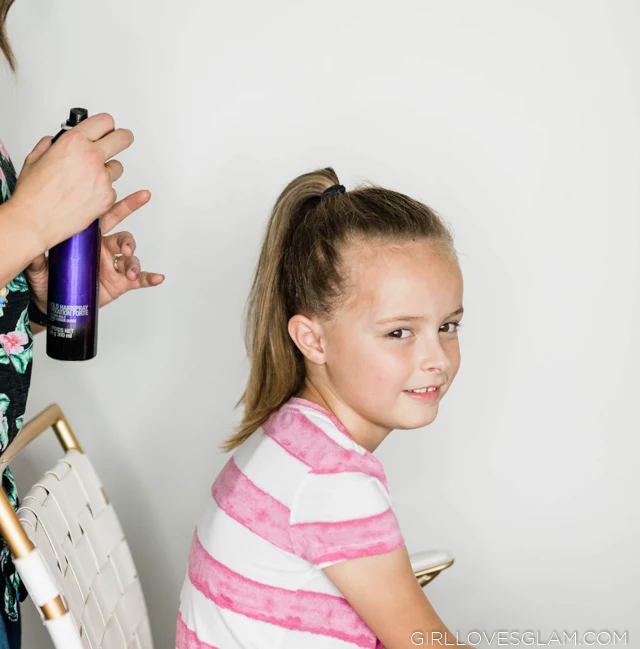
x,y
38,151
38,264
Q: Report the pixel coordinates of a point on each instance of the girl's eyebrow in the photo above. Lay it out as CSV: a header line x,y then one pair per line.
x,y
411,318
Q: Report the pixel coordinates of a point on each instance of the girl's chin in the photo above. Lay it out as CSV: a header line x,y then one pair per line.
x,y
411,421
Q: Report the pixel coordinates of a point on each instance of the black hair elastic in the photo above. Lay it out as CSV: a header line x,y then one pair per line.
x,y
334,189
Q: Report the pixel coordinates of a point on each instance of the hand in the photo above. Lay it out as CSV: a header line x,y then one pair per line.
x,y
65,186
113,283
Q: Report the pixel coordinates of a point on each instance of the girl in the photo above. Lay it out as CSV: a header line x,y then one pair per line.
x,y
352,332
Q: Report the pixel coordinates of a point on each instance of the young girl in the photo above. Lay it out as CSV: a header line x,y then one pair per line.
x,y
352,333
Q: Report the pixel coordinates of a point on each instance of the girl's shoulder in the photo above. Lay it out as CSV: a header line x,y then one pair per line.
x,y
316,438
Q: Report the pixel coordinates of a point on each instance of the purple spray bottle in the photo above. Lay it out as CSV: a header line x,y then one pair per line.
x,y
72,303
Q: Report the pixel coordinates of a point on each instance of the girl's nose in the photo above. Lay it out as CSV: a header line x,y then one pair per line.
x,y
434,357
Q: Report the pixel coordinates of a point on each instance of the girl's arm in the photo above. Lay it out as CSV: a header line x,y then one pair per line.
x,y
386,595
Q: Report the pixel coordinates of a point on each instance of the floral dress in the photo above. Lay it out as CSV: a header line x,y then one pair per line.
x,y
16,353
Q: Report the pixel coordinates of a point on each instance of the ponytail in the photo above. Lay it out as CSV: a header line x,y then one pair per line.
x,y
277,367
5,46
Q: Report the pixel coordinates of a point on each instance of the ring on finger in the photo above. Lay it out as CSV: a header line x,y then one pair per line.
x,y
115,262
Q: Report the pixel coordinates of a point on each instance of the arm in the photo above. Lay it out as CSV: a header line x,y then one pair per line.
x,y
18,247
20,243
343,522
398,612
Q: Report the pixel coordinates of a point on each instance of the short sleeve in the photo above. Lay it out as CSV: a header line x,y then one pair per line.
x,y
340,516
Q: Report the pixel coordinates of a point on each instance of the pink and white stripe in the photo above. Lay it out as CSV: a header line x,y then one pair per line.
x,y
298,496
298,610
325,543
188,639
235,494
305,440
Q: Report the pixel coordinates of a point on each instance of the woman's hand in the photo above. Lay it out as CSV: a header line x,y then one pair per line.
x,y
62,188
113,283
65,186
128,276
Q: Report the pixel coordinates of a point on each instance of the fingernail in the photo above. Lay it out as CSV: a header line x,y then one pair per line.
x,y
128,245
135,272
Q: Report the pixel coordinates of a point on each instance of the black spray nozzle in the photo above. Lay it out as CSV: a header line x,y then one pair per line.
x,y
77,115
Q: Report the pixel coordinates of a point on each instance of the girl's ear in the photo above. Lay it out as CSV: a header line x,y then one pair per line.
x,y
306,334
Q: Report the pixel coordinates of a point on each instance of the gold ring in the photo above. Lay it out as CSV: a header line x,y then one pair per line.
x,y
115,262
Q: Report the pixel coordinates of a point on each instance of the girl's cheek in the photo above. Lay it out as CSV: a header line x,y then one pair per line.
x,y
388,366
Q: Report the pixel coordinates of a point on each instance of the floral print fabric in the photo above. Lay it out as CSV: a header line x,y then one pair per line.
x,y
16,354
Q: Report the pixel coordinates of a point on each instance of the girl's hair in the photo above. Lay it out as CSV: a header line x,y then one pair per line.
x,y
5,46
299,272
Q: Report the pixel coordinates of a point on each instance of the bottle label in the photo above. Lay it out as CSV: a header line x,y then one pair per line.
x,y
65,320
73,294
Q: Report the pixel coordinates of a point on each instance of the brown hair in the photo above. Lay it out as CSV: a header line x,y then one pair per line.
x,y
299,271
5,46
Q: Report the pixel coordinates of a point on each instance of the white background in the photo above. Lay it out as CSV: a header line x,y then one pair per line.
x,y
518,122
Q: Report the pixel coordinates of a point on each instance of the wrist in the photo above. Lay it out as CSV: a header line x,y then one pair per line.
x,y
36,314
40,305
19,217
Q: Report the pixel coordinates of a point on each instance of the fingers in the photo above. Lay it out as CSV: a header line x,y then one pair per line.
x,y
123,209
114,143
120,243
129,267
114,169
147,280
97,126
102,130
38,265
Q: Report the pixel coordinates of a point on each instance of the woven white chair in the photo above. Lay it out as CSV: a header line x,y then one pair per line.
x,y
70,550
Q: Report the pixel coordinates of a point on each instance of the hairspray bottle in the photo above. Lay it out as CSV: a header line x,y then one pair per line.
x,y
72,302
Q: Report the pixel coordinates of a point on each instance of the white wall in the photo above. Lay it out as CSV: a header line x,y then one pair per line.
x,y
518,122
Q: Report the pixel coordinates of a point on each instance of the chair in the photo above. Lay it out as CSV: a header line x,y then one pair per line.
x,y
70,550
428,565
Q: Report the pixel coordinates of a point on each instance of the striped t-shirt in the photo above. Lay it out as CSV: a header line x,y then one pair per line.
x,y
297,496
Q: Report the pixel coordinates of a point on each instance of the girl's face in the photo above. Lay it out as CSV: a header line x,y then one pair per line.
x,y
396,332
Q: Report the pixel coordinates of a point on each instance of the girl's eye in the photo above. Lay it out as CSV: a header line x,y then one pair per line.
x,y
457,325
392,334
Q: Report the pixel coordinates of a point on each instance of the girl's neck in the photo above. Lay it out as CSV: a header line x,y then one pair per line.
x,y
365,433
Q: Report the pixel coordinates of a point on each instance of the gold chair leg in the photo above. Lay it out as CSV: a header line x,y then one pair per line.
x,y
11,530
20,547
